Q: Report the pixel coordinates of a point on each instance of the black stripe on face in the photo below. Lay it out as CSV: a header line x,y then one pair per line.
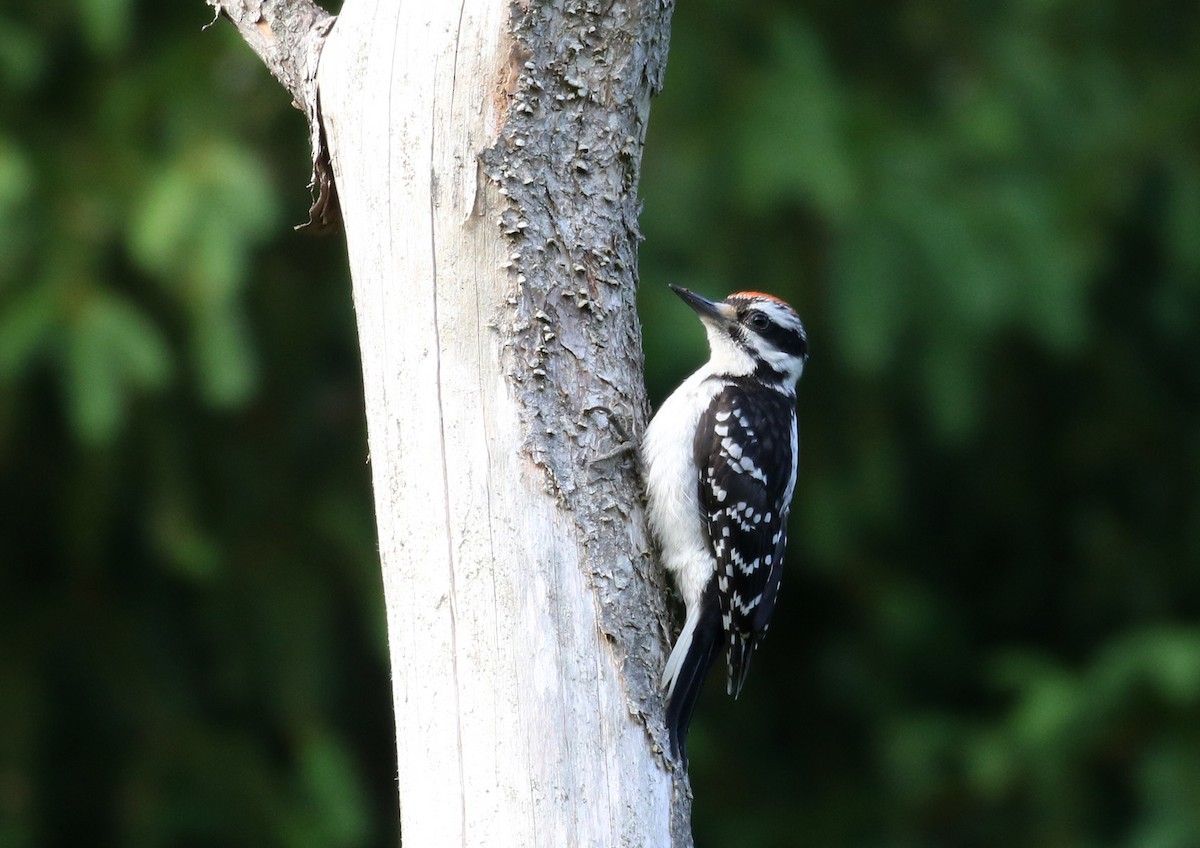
x,y
781,338
786,340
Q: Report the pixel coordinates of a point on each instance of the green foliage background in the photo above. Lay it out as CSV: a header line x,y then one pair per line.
x,y
988,215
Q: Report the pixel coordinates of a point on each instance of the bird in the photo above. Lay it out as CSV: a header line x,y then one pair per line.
x,y
719,459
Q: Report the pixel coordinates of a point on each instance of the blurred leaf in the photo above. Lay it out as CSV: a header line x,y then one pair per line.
x,y
920,752
16,186
871,303
159,232
1183,219
992,763
113,350
105,23
27,324
336,807
953,399
1169,780
792,145
224,354
200,217
196,226
16,178
183,545
22,54
1167,660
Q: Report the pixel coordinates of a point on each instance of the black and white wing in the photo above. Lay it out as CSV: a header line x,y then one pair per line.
x,y
746,451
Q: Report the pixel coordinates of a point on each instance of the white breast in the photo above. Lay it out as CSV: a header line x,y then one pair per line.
x,y
672,483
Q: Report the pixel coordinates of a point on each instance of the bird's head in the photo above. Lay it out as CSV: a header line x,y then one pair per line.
x,y
751,333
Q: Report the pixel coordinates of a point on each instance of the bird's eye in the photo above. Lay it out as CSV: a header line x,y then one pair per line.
x,y
759,321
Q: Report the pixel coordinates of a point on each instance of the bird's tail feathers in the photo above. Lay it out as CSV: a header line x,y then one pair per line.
x,y
741,649
697,648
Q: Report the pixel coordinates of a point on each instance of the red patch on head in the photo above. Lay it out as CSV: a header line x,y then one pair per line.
x,y
763,295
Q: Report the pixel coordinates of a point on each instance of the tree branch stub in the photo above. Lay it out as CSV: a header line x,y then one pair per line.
x,y
288,36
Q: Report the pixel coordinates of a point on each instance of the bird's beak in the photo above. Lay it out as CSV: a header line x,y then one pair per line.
x,y
708,310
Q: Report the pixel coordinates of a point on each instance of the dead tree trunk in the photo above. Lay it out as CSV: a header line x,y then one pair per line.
x,y
486,159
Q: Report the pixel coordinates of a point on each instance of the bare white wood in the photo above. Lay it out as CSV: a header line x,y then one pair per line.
x,y
517,721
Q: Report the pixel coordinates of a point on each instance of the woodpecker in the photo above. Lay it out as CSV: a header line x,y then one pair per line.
x,y
720,465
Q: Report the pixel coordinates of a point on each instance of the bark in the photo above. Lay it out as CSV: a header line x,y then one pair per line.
x,y
486,156
288,35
